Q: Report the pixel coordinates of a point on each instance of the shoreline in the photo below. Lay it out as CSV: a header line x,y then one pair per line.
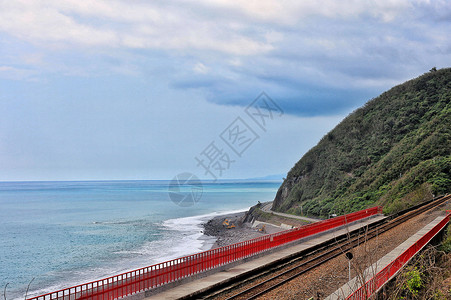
x,y
215,228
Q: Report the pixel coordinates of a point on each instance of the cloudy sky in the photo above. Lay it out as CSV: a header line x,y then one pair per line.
x,y
121,89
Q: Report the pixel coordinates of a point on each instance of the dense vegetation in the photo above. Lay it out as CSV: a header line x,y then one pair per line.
x,y
394,151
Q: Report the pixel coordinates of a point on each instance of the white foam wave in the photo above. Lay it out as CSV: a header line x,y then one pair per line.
x,y
182,237
192,239
195,222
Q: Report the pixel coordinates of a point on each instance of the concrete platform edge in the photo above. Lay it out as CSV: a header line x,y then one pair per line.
x,y
163,288
348,288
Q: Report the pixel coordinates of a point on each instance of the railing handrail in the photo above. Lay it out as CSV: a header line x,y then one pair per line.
x,y
378,280
233,251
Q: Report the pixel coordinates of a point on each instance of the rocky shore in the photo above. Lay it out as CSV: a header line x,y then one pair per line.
x,y
228,234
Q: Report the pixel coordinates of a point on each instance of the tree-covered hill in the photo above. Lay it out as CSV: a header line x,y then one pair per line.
x,y
395,151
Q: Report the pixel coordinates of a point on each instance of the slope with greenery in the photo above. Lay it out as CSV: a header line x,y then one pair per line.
x,y
394,151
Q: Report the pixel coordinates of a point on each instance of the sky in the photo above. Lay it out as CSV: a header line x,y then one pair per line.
x,y
110,90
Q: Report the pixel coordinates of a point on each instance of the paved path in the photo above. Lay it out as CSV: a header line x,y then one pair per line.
x,y
245,266
348,288
266,207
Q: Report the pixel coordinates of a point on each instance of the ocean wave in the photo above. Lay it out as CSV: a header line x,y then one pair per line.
x,y
99,229
181,237
194,222
190,238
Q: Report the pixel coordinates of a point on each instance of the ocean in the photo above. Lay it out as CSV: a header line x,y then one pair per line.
x,y
61,234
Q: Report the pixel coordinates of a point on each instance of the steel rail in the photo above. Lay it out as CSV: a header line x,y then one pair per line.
x,y
278,280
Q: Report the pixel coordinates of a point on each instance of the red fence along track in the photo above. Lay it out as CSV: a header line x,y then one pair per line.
x,y
162,273
372,285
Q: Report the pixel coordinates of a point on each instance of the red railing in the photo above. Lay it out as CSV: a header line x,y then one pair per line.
x,y
159,274
375,283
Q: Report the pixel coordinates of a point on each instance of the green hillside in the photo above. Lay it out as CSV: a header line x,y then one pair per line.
x,y
394,151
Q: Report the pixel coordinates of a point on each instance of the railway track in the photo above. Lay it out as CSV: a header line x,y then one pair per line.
x,y
274,276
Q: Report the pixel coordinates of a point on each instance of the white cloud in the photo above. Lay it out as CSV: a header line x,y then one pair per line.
x,y
45,24
122,82
288,45
8,72
201,68
100,23
292,12
225,27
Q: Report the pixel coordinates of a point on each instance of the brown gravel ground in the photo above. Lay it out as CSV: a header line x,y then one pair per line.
x,y
327,278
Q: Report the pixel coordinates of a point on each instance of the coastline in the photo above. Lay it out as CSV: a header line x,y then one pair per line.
x,y
242,231
104,228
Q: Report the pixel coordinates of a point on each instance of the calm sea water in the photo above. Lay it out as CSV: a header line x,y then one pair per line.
x,y
67,233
